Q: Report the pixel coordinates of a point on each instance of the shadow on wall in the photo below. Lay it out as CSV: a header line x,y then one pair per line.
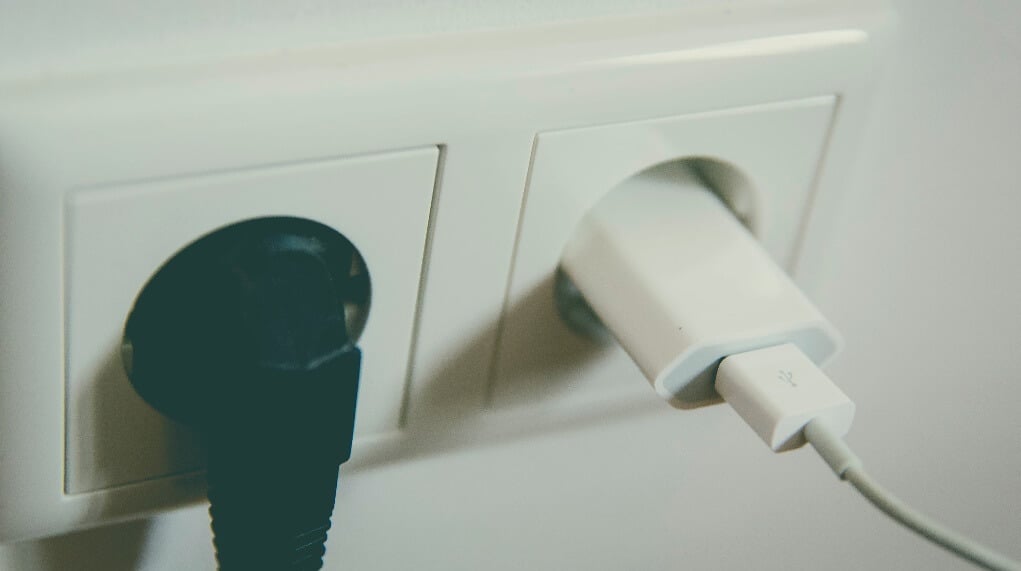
x,y
443,422
111,454
116,547
442,419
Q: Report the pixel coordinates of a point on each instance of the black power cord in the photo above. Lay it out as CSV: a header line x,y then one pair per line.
x,y
244,335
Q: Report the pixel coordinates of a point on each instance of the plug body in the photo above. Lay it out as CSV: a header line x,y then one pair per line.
x,y
244,335
681,283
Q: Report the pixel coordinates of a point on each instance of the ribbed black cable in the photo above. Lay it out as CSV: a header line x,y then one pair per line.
x,y
273,470
275,528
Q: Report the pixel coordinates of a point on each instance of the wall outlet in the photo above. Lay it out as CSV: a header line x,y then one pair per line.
x,y
103,176
119,235
763,159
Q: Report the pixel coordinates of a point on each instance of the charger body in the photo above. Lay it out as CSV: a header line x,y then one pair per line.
x,y
681,283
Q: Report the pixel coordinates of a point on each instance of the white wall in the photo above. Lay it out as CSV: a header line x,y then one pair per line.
x,y
56,35
923,275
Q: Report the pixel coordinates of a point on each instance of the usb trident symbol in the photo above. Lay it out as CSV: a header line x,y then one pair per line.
x,y
787,377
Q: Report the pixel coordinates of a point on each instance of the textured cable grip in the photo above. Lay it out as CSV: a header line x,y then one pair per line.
x,y
273,477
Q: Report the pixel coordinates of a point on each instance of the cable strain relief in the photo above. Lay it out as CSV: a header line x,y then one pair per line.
x,y
831,447
271,516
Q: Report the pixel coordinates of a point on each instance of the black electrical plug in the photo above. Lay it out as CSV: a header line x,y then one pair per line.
x,y
244,335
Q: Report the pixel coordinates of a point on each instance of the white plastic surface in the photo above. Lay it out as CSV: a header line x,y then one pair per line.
x,y
119,236
682,284
772,152
484,99
777,390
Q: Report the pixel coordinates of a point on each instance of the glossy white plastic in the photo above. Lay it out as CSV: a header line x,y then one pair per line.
x,y
682,284
777,390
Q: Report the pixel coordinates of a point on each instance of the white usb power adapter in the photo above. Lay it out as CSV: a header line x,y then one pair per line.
x,y
682,284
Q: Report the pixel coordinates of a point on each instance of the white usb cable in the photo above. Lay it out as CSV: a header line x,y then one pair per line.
x,y
788,400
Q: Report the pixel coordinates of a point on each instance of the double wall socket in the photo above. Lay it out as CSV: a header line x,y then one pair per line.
x,y
422,152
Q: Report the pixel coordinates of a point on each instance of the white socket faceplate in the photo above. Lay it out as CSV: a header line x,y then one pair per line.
x,y
776,147
118,236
